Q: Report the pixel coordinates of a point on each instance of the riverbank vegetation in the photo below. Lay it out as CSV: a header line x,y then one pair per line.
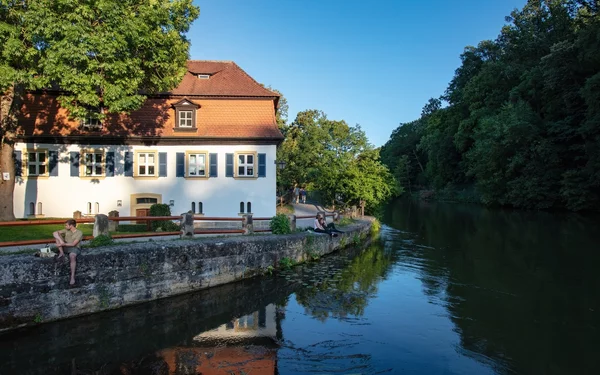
x,y
519,124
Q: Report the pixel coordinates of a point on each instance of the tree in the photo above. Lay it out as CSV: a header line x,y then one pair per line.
x,y
104,53
334,158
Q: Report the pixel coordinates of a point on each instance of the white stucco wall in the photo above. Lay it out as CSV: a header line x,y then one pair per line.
x,y
221,196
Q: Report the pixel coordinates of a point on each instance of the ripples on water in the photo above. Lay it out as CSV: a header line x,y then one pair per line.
x,y
447,289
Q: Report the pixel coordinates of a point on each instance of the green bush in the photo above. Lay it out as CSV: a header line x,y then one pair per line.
x,y
280,224
101,240
375,227
160,209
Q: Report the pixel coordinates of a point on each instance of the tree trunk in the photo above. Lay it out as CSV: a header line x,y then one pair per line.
x,y
418,161
7,162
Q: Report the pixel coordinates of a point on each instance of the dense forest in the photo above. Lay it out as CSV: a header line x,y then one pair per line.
x,y
519,123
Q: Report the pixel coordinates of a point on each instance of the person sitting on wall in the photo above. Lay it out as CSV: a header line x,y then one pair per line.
x,y
322,227
68,240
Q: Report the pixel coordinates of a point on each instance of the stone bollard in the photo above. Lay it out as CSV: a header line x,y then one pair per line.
x,y
187,225
362,208
247,224
77,215
336,216
100,225
292,222
113,225
354,213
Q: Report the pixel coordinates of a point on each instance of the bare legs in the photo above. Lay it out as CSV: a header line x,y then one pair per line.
x,y
73,258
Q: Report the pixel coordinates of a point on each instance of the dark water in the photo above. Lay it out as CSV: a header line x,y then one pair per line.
x,y
448,289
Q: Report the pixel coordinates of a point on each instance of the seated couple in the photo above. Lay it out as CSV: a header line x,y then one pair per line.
x,y
322,227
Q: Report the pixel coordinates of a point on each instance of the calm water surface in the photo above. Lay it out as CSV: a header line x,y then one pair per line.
x,y
448,289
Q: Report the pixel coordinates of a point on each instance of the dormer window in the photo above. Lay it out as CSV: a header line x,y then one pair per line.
x,y
185,115
203,76
92,119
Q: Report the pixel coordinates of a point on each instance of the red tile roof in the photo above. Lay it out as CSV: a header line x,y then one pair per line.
x,y
226,79
232,105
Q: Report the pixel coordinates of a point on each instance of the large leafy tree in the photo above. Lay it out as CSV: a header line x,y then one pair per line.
x,y
334,158
98,52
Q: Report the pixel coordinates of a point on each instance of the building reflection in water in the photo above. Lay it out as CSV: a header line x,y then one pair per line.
x,y
245,345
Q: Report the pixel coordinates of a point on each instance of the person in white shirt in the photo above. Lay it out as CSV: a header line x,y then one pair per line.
x,y
321,226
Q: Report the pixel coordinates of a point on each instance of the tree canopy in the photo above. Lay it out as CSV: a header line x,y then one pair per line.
x,y
99,53
520,119
334,158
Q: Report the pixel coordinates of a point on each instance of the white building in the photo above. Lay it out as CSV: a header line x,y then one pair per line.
x,y
208,146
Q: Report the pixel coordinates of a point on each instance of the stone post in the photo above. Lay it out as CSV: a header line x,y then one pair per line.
x,y
292,222
247,224
113,225
336,216
187,225
362,208
354,212
77,215
100,225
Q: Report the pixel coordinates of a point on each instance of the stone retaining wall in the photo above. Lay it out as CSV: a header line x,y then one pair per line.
x,y
35,290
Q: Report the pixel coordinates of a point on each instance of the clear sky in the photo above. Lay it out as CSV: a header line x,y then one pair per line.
x,y
372,63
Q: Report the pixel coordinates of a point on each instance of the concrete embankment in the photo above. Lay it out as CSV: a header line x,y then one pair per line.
x,y
35,290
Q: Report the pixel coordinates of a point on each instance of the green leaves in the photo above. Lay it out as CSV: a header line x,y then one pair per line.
x,y
334,158
522,118
99,52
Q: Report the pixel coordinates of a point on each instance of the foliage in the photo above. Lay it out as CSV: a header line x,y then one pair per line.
x,y
280,224
345,221
375,227
101,240
101,53
161,209
519,119
333,158
286,263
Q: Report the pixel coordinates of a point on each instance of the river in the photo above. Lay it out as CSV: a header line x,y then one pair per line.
x,y
446,289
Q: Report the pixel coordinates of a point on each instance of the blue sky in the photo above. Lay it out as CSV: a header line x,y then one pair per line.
x,y
370,63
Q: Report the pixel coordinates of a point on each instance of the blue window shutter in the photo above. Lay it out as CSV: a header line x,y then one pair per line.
x,y
110,164
262,165
128,164
180,164
18,164
229,165
213,166
74,160
53,163
162,164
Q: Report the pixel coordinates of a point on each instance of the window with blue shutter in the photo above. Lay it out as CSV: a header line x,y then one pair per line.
x,y
262,165
180,164
213,165
18,164
229,165
53,163
110,164
162,164
128,164
74,160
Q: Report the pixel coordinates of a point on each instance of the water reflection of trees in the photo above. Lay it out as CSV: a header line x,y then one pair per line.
x,y
521,287
344,289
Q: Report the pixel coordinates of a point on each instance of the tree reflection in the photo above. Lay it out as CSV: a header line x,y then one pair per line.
x,y
346,290
521,287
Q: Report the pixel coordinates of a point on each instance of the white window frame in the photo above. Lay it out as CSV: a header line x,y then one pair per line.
x,y
37,164
189,164
186,121
146,164
94,164
244,165
91,120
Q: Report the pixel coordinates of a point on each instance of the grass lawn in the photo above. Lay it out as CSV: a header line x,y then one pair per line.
x,y
40,232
